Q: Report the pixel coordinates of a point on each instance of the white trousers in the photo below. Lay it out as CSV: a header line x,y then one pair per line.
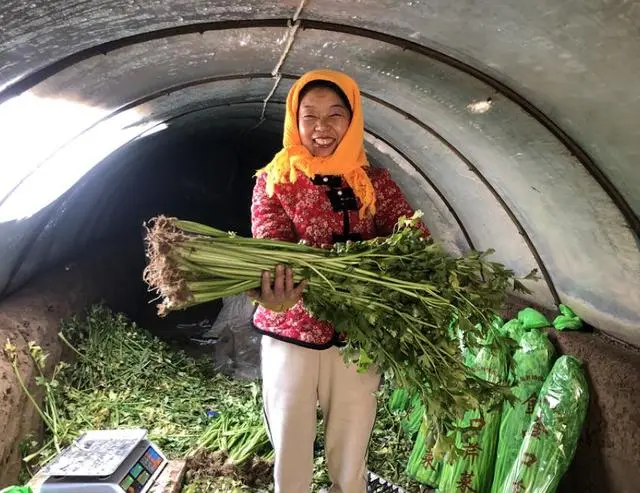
x,y
294,380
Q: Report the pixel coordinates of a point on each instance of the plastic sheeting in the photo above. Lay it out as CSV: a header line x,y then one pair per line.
x,y
236,345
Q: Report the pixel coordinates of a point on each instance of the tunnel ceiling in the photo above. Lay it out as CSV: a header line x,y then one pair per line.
x,y
511,125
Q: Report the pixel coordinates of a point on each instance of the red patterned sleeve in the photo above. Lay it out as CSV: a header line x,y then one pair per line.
x,y
391,204
268,217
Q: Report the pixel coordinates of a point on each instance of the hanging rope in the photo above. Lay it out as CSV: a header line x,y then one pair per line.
x,y
293,25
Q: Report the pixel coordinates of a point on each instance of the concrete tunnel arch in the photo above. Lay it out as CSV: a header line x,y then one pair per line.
x,y
548,174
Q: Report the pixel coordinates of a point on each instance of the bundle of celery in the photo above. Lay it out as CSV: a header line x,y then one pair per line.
x,y
392,297
238,437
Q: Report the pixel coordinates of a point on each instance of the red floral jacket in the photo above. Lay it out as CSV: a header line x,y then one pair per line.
x,y
320,211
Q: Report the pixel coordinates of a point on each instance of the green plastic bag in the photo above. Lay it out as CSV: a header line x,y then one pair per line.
x,y
532,319
531,365
567,320
422,466
551,439
513,329
497,323
17,489
411,424
472,471
528,319
399,400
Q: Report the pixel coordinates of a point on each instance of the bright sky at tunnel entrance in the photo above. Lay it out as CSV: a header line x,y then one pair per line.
x,y
50,143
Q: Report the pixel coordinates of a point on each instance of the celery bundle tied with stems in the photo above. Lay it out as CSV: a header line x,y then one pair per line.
x,y
393,298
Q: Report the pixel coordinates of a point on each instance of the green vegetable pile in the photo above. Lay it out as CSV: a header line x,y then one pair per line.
x,y
392,297
124,377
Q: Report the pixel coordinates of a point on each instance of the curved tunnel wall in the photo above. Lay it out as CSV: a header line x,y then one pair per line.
x,y
537,176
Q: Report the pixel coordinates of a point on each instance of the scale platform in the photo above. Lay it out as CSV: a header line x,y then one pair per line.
x,y
105,461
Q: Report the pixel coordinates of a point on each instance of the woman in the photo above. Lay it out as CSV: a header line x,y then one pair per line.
x,y
320,189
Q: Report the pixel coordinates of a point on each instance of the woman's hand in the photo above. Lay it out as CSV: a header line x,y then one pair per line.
x,y
282,294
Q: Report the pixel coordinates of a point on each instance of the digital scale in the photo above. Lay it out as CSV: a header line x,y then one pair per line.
x,y
105,461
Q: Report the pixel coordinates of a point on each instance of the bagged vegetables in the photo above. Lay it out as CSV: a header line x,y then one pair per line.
x,y
532,319
472,471
567,320
422,465
411,424
551,439
513,329
531,364
527,319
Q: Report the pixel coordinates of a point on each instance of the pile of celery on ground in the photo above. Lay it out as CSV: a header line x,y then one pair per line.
x,y
124,377
394,298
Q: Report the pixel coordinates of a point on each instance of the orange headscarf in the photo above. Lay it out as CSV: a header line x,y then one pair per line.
x,y
348,160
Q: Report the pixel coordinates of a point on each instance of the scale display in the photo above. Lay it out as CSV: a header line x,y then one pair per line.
x,y
139,475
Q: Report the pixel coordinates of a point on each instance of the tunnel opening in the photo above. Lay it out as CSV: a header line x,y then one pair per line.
x,y
201,171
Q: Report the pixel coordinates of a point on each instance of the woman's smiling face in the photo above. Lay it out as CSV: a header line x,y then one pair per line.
x,y
323,120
